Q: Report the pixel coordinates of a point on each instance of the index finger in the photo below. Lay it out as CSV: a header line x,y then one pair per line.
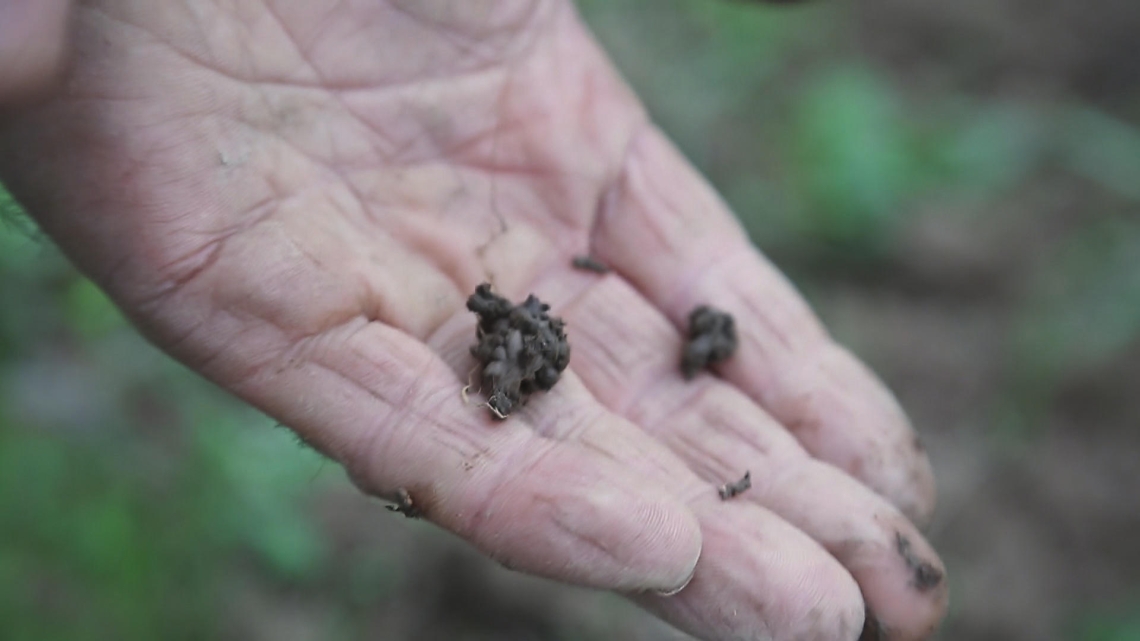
x,y
665,230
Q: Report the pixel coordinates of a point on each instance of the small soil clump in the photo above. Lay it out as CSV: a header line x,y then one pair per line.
x,y
729,490
712,338
521,348
590,264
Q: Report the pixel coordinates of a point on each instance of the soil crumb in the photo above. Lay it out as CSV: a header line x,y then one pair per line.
x,y
925,576
405,505
729,490
712,338
590,264
521,348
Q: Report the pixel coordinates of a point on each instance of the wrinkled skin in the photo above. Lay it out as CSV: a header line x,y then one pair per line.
x,y
295,198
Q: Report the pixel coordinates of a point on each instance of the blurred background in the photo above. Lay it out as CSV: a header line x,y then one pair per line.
x,y
954,185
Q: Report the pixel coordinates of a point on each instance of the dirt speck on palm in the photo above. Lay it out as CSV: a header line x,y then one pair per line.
x,y
590,264
405,505
729,490
712,338
521,348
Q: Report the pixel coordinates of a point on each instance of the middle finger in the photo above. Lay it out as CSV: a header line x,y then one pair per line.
x,y
627,353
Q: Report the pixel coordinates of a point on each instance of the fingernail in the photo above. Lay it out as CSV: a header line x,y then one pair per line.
x,y
677,590
655,540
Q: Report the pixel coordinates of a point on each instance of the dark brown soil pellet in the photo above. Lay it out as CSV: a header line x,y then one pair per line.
x,y
521,348
712,338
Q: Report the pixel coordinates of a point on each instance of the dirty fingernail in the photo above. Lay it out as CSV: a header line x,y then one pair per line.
x,y
924,575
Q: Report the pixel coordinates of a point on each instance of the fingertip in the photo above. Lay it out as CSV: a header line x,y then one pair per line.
x,y
919,504
839,600
32,44
612,540
909,584
598,527
668,559
832,605
762,579
853,421
661,542
633,542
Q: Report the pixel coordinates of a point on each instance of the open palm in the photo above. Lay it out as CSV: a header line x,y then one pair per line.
x,y
296,198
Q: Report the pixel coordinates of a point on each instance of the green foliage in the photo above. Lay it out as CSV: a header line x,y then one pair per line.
x,y
124,523
1108,626
267,473
830,155
11,213
88,310
88,543
1082,314
16,244
1105,150
85,555
1086,307
697,61
986,149
851,155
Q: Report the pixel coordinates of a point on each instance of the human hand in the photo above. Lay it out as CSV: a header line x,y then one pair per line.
x,y
295,199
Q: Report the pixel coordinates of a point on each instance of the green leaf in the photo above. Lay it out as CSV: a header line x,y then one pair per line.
x,y
1083,313
17,243
995,148
266,473
850,155
89,311
1106,151
1108,625
1086,306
